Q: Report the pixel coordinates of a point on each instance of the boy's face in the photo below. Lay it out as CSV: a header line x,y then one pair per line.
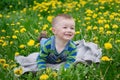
x,y
64,29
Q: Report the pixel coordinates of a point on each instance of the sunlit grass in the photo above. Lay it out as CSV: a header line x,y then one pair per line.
x,y
97,21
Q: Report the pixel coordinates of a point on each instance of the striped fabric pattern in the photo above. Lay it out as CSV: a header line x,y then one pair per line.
x,y
48,54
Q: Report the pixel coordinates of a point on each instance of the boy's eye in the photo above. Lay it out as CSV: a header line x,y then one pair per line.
x,y
64,27
72,28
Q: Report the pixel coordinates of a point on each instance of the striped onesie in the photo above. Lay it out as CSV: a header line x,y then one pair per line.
x,y
48,54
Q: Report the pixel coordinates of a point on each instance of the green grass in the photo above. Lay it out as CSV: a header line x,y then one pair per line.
x,y
88,14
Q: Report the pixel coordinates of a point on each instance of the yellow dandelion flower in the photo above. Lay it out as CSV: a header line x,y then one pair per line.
x,y
89,28
22,19
48,70
49,18
54,74
1,41
17,53
22,30
101,32
100,21
96,41
1,15
77,32
12,24
7,16
3,30
39,15
7,36
95,38
112,16
36,31
44,77
4,44
31,42
10,6
89,14
87,18
18,71
94,15
95,28
16,31
11,42
117,41
5,66
115,26
108,32
89,11
22,46
105,58
21,26
50,28
107,26
76,9
2,61
102,7
41,18
108,45
19,3
79,20
83,3
18,23
37,45
45,27
101,28
102,1
2,37
14,37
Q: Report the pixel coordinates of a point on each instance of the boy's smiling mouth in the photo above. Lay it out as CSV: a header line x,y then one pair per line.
x,y
68,35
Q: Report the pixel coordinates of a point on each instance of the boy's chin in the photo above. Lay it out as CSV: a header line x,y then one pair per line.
x,y
67,39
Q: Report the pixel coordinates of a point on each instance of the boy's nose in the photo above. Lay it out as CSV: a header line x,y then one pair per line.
x,y
69,30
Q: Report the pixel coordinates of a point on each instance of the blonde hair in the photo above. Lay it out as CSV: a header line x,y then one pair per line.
x,y
60,16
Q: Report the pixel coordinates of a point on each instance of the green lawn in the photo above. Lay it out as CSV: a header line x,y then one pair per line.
x,y
97,21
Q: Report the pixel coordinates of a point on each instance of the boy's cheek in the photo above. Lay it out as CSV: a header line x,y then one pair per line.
x,y
74,32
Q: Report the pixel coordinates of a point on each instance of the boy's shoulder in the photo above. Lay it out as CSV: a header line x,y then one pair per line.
x,y
48,41
72,44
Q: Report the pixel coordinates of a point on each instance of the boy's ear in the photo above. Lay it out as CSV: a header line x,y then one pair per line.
x,y
53,30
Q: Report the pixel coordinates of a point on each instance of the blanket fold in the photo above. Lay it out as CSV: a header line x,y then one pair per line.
x,y
86,51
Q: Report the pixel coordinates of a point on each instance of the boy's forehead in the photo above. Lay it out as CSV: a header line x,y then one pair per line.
x,y
64,20
61,21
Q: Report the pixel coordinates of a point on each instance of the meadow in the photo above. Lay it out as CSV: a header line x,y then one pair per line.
x,y
21,22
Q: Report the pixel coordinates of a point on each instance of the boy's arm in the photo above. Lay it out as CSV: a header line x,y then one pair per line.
x,y
70,58
41,63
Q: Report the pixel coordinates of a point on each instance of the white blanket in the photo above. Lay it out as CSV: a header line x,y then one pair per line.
x,y
86,51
